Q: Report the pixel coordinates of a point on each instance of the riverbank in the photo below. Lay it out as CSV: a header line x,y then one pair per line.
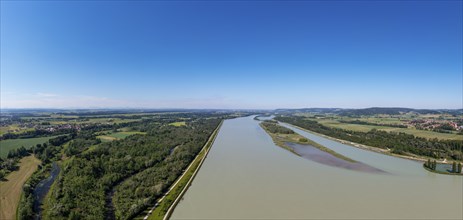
x,y
281,139
42,189
46,201
165,206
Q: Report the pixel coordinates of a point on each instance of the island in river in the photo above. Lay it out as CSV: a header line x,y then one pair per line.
x,y
311,150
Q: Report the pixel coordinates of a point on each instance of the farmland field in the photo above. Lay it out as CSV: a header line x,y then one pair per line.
x,y
10,191
7,145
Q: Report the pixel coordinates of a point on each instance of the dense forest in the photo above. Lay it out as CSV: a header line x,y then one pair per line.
x,y
371,123
121,178
399,143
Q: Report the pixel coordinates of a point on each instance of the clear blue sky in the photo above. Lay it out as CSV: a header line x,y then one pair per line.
x,y
258,54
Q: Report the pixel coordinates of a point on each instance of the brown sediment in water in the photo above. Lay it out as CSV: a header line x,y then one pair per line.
x,y
314,154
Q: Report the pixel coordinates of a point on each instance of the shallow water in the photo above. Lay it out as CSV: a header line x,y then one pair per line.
x,y
246,176
312,153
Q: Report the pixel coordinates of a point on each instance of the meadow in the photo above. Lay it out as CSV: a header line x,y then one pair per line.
x,y
10,191
178,123
10,144
117,135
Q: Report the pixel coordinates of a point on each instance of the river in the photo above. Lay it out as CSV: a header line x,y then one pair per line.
x,y
246,176
42,189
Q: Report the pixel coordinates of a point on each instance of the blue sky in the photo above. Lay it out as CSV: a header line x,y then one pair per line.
x,y
258,54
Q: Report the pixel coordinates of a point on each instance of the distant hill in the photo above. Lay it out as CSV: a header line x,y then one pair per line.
x,y
309,110
398,111
386,111
370,111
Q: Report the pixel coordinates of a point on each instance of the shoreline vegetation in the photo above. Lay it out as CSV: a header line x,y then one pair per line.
x,y
166,205
281,135
379,150
433,166
440,172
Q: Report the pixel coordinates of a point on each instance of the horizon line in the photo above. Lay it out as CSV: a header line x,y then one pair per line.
x,y
168,108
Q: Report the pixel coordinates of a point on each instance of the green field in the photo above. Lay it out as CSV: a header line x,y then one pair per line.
x,y
7,145
366,128
179,123
379,120
118,135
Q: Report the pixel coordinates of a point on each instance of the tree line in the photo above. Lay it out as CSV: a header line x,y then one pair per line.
x,y
273,127
432,165
371,123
